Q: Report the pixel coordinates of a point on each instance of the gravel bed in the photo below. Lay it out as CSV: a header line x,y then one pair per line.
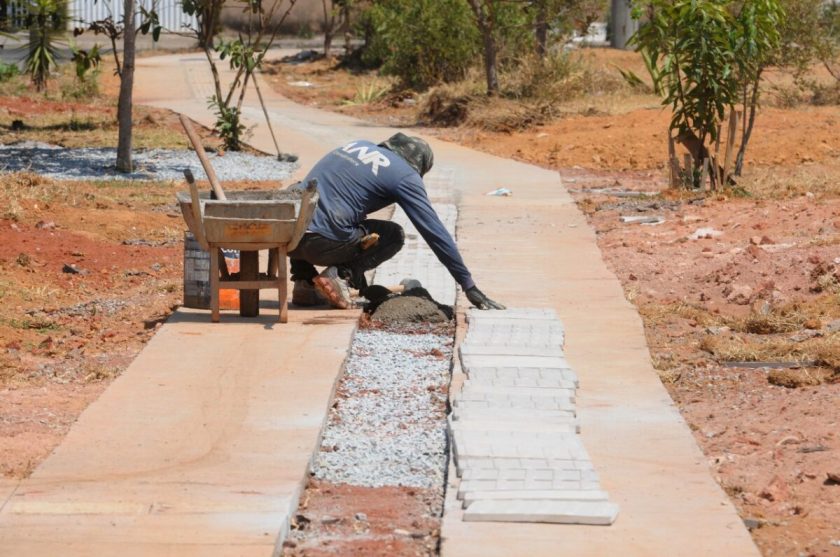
x,y
150,164
388,424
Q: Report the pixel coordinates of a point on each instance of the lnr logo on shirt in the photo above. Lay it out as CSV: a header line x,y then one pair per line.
x,y
366,156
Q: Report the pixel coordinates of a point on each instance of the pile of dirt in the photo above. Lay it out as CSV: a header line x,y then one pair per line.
x,y
412,306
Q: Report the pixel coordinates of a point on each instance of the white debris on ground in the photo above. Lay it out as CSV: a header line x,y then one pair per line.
x,y
59,163
388,423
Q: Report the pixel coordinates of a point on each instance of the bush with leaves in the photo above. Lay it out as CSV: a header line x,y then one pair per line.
x,y
421,42
810,33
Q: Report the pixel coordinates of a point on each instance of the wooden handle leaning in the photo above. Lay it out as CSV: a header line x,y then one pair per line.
x,y
202,156
196,211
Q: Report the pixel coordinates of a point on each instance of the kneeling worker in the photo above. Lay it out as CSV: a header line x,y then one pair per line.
x,y
354,181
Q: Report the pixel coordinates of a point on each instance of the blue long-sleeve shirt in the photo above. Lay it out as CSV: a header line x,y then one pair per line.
x,y
361,178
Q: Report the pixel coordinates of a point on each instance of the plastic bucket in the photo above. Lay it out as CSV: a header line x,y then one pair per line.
x,y
197,276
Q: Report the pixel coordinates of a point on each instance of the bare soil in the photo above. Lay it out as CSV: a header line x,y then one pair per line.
x,y
340,519
760,286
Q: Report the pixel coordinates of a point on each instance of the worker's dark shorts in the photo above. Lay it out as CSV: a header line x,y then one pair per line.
x,y
351,260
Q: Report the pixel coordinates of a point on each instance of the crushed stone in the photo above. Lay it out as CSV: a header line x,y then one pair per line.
x,y
387,426
59,163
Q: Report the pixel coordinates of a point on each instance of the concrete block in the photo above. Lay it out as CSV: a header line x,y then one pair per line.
x,y
527,474
470,361
502,400
481,463
529,351
470,387
536,438
486,377
551,495
514,415
465,448
513,410
467,486
572,426
521,333
557,512
512,313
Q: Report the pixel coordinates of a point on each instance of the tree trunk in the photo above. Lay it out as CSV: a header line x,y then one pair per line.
x,y
329,25
348,34
485,26
124,108
328,37
490,63
751,107
541,29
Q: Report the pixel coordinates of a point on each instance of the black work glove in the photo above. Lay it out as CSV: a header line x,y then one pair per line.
x,y
479,300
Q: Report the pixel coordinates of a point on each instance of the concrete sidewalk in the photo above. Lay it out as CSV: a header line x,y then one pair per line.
x,y
201,446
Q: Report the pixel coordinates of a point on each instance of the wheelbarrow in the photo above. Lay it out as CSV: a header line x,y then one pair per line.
x,y
248,221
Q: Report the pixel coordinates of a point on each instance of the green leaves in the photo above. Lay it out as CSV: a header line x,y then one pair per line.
x,y
422,42
239,54
85,60
702,56
228,124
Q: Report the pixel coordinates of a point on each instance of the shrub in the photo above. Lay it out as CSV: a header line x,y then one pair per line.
x,y
8,71
422,42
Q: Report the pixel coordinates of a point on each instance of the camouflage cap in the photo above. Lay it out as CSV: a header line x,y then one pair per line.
x,y
414,150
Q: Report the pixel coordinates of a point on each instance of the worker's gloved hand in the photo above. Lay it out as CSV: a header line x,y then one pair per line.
x,y
479,300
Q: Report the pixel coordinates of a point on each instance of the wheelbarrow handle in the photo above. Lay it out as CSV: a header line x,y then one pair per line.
x,y
202,156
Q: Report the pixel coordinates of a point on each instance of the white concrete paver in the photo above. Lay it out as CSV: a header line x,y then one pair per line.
x,y
549,495
473,361
519,381
565,512
530,474
497,399
515,391
467,486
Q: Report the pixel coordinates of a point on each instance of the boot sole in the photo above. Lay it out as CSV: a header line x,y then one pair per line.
x,y
328,290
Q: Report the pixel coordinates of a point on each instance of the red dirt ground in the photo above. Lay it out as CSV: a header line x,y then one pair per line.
x,y
336,519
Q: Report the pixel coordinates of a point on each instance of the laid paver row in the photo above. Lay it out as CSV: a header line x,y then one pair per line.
x,y
416,260
514,425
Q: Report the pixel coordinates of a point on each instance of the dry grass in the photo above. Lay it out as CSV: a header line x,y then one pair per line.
x,y
654,314
533,92
799,377
824,350
785,182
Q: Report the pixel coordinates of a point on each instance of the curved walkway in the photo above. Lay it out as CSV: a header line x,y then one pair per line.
x,y
202,445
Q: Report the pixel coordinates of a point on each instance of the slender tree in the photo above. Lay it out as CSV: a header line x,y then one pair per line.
x,y
485,12
127,30
124,106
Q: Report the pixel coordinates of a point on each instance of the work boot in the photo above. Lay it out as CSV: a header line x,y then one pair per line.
x,y
305,294
333,288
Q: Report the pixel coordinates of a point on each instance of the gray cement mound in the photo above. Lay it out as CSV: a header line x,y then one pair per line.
x,y
412,306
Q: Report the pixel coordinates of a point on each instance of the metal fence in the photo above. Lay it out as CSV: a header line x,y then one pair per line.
x,y
82,12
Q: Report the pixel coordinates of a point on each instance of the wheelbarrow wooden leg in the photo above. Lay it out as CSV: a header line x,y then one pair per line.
x,y
214,284
249,300
283,284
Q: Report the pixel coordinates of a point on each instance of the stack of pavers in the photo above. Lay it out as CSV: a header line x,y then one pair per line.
x,y
514,427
